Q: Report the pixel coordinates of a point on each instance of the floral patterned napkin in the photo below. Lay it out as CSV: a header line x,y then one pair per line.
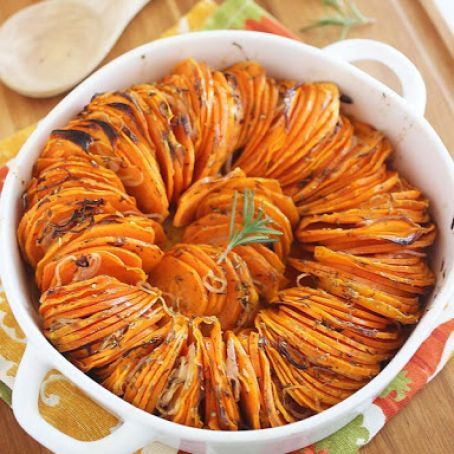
x,y
72,412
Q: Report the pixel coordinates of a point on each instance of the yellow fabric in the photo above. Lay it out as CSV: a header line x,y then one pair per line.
x,y
61,403
194,20
68,409
10,146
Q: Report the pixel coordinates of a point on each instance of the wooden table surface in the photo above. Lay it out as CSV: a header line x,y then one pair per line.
x,y
425,426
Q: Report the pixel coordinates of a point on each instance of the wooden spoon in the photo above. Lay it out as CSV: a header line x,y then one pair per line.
x,y
47,48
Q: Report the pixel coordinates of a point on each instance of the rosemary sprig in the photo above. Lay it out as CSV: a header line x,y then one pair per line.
x,y
346,15
254,230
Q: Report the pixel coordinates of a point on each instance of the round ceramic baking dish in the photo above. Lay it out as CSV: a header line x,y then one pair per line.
x,y
419,155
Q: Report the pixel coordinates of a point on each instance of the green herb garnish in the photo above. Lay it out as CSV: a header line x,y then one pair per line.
x,y
254,230
346,15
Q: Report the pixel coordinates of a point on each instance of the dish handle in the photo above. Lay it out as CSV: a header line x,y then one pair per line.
x,y
32,370
413,87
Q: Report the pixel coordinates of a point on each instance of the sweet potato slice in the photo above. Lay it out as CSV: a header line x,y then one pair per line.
x,y
107,141
75,335
169,152
296,387
259,120
116,376
238,297
210,229
329,340
267,275
399,230
189,201
241,292
266,278
368,153
181,285
223,130
90,262
65,174
148,254
266,187
68,210
310,112
131,233
213,280
372,299
319,157
151,329
61,148
263,116
202,95
366,268
379,247
335,312
276,413
110,312
141,375
126,106
223,203
379,207
310,123
310,347
221,408
241,372
140,173
184,122
250,78
145,385
180,399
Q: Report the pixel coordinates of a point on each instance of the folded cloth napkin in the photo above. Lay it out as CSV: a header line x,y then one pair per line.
x,y
68,409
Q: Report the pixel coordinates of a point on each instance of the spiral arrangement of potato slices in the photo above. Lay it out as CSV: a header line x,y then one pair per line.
x,y
128,224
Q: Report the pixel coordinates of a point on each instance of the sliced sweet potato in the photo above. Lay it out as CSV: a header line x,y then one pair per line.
x,y
310,112
319,157
87,263
66,174
124,105
223,130
360,293
273,404
68,210
108,141
212,277
150,330
189,201
180,399
109,312
266,278
366,268
399,230
198,349
250,78
201,90
369,151
310,347
221,408
169,152
147,382
241,372
181,285
241,292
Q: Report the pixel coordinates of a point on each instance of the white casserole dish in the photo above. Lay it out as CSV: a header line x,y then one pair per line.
x,y
419,155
